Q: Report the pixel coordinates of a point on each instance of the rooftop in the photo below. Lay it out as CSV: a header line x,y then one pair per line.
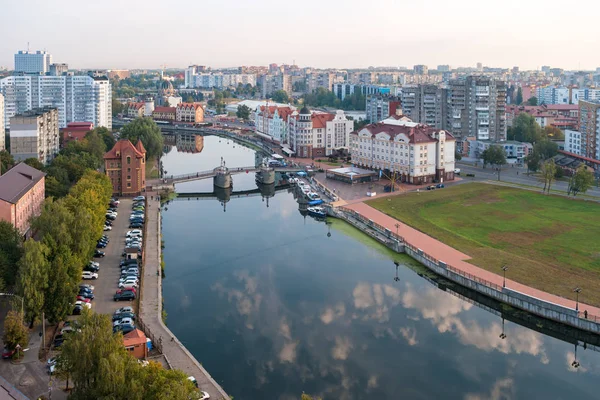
x,y
122,145
36,112
15,183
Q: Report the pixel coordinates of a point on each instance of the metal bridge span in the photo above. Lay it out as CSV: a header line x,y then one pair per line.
x,y
213,172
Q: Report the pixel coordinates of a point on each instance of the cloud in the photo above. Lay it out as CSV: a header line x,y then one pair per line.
x,y
410,334
284,329
342,348
332,313
372,383
288,352
502,390
570,357
247,302
376,299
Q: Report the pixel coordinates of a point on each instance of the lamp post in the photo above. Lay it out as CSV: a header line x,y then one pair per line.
x,y
504,268
397,227
396,263
577,291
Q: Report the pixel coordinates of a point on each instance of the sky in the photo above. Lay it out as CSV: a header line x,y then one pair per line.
x,y
318,33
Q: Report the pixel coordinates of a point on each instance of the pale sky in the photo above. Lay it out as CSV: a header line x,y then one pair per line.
x,y
319,33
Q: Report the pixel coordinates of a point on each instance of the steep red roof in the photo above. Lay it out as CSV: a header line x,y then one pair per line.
x,y
134,337
139,146
164,110
416,134
136,106
120,146
319,120
80,126
189,105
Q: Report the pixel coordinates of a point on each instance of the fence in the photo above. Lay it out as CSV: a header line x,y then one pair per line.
x,y
156,343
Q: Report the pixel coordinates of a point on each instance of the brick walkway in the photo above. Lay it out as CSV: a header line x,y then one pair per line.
x,y
150,308
456,259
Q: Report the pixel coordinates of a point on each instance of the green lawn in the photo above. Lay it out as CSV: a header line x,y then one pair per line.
x,y
151,168
549,242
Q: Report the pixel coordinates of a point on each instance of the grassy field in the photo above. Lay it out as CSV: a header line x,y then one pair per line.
x,y
151,168
549,242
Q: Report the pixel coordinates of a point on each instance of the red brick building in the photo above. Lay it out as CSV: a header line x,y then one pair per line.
x,y
125,165
75,131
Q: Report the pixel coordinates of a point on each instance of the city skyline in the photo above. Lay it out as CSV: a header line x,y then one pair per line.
x,y
318,34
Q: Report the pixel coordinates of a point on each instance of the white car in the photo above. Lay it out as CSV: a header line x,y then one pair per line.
x,y
128,284
139,198
124,321
124,310
134,232
83,304
456,171
94,263
107,228
89,275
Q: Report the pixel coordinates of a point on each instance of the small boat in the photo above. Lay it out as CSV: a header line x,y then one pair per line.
x,y
318,212
315,202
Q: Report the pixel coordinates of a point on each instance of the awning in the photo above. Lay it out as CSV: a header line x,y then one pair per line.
x,y
287,151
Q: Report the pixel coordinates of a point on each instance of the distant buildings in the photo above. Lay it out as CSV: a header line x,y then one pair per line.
x,y
77,98
513,149
318,134
421,69
22,193
58,69
189,112
164,113
34,133
125,165
272,122
119,73
135,110
315,80
272,83
75,131
416,153
379,107
32,62
2,130
195,77
573,142
589,128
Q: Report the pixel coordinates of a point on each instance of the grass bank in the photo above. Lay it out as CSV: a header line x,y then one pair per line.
x,y
548,242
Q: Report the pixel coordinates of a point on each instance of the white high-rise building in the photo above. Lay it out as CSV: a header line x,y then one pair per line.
x,y
80,98
29,62
2,132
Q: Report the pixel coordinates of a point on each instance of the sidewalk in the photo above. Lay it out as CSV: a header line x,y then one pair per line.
x,y
150,308
456,259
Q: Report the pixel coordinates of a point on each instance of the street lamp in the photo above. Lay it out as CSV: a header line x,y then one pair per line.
x,y
396,263
397,227
577,291
504,268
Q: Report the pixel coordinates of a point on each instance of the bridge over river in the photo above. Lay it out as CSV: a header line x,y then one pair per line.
x,y
194,176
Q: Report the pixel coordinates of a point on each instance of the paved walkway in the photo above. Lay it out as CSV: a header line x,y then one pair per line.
x,y
150,308
456,259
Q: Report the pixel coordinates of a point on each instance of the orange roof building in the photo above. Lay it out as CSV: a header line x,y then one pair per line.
x,y
125,165
135,343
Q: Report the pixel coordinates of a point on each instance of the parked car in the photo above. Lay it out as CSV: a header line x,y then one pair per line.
x,y
7,353
114,201
134,232
77,310
136,225
107,228
123,310
124,263
112,217
101,245
85,294
124,296
108,222
139,198
83,299
440,186
91,268
120,316
82,304
123,321
86,286
431,187
89,275
112,209
456,171
132,290
125,328
99,253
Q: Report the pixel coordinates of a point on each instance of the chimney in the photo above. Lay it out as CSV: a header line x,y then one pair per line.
x,y
399,111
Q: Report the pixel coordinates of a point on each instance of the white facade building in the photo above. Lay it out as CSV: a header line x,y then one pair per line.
x,y
29,62
194,79
416,153
337,133
79,98
573,142
2,132
272,122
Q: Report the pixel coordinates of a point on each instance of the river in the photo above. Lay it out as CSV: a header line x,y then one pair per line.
x,y
273,307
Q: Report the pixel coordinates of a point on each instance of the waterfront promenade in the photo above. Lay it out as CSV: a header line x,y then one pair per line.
x,y
176,354
439,251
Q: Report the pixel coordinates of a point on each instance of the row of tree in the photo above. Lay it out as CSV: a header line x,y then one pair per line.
x,y
326,98
146,130
50,269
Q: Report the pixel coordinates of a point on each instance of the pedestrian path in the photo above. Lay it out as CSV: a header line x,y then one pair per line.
x,y
151,305
458,260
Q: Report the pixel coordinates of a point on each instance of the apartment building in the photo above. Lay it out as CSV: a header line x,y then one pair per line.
x,y
379,107
189,112
58,69
589,128
75,131
573,142
272,83
425,104
34,134
316,80
421,69
125,165
29,62
196,77
77,98
22,194
135,110
307,132
337,133
2,130
272,122
417,153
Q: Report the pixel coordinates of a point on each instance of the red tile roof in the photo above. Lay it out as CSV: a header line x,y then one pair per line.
x,y
164,110
80,126
120,146
189,105
416,134
136,106
319,120
139,146
134,337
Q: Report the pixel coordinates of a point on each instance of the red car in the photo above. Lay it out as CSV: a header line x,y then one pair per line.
x,y
6,353
84,299
127,290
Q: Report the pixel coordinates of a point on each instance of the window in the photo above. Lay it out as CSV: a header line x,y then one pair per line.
x,y
128,169
128,184
128,160
128,177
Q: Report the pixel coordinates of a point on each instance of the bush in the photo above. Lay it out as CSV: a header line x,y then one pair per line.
x,y
559,173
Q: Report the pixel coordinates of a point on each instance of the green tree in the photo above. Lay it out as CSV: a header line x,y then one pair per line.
x,y
11,250
15,333
519,99
495,156
525,129
106,135
581,181
243,112
545,148
553,133
532,101
64,274
34,163
280,96
7,161
146,130
547,174
117,107
457,156
533,160
33,278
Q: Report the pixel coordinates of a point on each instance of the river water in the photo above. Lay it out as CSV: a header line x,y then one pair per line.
x,y
273,307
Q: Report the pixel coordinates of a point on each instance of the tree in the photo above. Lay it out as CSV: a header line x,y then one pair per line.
x,y
457,156
553,133
519,99
33,278
117,107
495,156
280,96
533,160
243,112
15,333
532,101
11,250
146,130
547,173
34,163
545,149
581,181
106,135
525,129
7,161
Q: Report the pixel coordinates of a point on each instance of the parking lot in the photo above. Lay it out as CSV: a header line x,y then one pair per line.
x,y
108,276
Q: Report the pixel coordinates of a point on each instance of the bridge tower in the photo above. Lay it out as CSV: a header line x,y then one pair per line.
x,y
222,177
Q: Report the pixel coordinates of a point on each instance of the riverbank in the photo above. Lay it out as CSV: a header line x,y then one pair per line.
x,y
450,263
151,307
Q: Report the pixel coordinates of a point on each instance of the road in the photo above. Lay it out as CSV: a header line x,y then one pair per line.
x,y
517,175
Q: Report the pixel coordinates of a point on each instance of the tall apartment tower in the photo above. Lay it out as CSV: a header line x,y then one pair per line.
x,y
589,127
476,109
2,131
29,62
58,69
421,69
34,133
425,104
